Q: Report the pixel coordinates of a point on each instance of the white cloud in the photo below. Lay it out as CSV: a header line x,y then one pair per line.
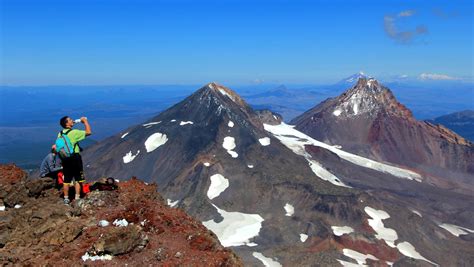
x,y
407,13
437,77
402,36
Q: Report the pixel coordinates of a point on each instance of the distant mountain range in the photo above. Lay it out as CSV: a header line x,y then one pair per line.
x,y
336,189
112,108
426,100
353,78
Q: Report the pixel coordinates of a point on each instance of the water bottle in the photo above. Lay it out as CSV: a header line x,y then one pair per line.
x,y
78,120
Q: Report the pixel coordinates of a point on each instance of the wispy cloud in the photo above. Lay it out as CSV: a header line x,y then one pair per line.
x,y
444,14
258,81
404,37
437,77
407,13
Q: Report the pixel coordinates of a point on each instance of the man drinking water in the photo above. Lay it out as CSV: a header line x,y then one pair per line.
x,y
67,146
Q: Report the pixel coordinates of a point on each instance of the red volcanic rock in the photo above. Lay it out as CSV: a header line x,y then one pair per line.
x,y
368,120
377,248
44,231
10,174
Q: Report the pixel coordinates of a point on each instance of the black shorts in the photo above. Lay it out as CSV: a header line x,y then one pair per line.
x,y
72,169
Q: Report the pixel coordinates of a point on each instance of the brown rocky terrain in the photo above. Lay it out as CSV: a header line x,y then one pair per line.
x,y
36,228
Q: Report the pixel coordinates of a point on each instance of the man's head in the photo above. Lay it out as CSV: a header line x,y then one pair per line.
x,y
66,122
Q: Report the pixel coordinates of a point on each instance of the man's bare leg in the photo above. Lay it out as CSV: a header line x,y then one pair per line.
x,y
77,186
66,193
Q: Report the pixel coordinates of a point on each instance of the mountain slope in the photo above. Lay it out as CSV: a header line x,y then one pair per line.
x,y
460,122
368,120
261,188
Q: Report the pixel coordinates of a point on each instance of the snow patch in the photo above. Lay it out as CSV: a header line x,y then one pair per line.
x,y
290,210
350,264
456,230
172,203
251,244
264,141
151,123
355,101
129,156
173,120
295,140
230,124
2,208
103,223
268,262
341,230
409,250
87,257
370,82
417,213
17,206
303,237
236,229
218,184
229,145
387,234
337,112
233,153
120,223
357,256
125,134
324,174
154,141
207,164
250,166
185,122
224,92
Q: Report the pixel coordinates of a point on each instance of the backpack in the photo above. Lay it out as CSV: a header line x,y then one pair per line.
x,y
64,146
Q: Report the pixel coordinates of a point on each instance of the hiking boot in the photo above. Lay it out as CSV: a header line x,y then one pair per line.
x,y
67,201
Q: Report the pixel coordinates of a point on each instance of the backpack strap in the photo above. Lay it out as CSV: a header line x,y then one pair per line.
x,y
76,144
69,130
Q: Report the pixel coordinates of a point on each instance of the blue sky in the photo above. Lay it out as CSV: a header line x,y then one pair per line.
x,y
232,42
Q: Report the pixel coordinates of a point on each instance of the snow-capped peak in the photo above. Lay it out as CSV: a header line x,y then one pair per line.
x,y
367,82
354,77
212,85
222,90
220,95
368,96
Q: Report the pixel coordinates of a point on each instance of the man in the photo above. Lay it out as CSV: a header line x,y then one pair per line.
x,y
72,165
51,166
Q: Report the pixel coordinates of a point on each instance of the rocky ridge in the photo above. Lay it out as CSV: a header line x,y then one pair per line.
x,y
130,226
